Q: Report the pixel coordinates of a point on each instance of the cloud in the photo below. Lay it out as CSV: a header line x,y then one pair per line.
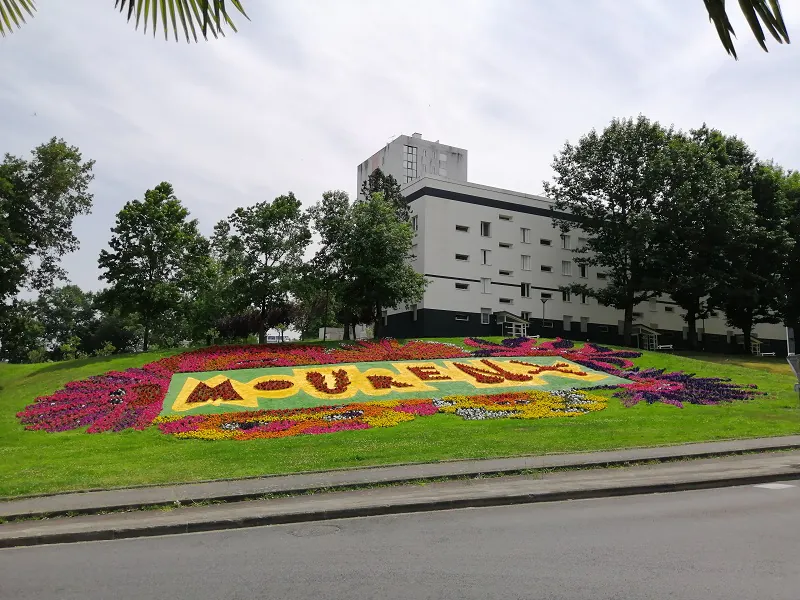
x,y
307,90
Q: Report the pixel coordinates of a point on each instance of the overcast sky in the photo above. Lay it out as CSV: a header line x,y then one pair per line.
x,y
310,88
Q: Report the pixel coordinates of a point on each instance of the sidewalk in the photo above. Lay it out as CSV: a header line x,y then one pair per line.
x,y
548,487
249,489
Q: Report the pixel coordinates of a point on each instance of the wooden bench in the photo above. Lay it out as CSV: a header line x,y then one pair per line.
x,y
766,354
665,347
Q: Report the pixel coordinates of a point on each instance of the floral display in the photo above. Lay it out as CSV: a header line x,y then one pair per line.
x,y
133,399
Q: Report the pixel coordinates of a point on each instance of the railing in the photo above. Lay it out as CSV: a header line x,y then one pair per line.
x,y
794,362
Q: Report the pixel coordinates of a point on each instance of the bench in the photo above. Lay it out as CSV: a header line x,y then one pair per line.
x,y
665,347
766,354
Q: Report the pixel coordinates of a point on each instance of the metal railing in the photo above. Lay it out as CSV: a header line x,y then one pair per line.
x,y
794,362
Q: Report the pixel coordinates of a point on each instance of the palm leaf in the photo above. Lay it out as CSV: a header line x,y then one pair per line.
x,y
11,14
756,12
209,16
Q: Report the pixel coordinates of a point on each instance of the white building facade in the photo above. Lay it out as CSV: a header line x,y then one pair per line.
x,y
486,251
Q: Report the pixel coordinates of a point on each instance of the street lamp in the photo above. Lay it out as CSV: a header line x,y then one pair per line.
x,y
544,301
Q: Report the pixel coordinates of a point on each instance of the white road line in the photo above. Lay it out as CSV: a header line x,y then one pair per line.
x,y
774,486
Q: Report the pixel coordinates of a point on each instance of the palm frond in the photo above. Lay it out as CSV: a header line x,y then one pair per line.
x,y
756,12
207,16
11,14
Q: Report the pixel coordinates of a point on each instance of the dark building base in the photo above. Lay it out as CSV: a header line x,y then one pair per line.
x,y
443,323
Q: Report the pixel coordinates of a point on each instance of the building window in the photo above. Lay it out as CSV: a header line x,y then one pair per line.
x,y
415,223
653,305
567,323
565,242
410,162
584,324
443,172
546,269
486,285
602,276
546,295
525,315
462,317
526,262
581,242
506,245
669,309
462,286
566,296
583,271
506,301
462,257
603,328
486,257
486,316
525,235
486,229
544,242
506,218
506,272
525,289
462,228
584,299
638,315
566,268
547,324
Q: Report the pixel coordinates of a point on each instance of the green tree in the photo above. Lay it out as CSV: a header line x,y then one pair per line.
x,y
790,309
21,333
377,261
752,293
611,184
387,185
39,200
209,16
756,12
67,313
262,247
153,246
698,220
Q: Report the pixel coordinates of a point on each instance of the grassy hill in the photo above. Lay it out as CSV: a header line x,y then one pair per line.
x,y
39,462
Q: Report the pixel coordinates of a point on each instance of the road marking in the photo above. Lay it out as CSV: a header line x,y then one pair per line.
x,y
774,486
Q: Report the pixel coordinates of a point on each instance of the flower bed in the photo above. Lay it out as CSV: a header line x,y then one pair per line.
x,y
134,398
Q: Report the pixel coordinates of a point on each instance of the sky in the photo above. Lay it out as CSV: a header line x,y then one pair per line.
x,y
307,89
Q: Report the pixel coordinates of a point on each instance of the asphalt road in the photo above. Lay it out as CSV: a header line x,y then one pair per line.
x,y
733,543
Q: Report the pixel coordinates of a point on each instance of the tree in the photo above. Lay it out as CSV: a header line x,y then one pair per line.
x,y
262,246
67,313
698,221
611,184
388,186
790,305
152,247
39,200
377,261
752,293
754,11
210,16
21,333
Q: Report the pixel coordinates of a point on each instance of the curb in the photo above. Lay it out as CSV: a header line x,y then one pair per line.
x,y
120,533
397,481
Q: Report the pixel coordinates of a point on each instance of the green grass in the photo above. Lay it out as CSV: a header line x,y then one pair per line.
x,y
39,462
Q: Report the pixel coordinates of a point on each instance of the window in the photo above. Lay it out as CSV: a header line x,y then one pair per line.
x,y
506,272
526,262
525,315
525,235
462,228
506,245
566,296
544,242
462,286
584,299
506,301
486,229
583,271
567,323
443,172
410,162
442,157
486,316
566,268
462,257
602,276
581,242
584,324
603,328
546,295
525,289
547,324
638,315
462,317
653,305
506,218
546,269
565,242
486,257
415,223
486,285
669,309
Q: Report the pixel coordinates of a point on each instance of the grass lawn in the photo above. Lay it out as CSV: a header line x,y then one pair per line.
x,y
35,462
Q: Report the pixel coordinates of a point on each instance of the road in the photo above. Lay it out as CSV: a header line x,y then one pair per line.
x,y
733,543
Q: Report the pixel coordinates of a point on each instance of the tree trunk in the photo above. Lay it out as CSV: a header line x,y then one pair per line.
x,y
262,331
691,321
795,327
346,333
627,328
354,331
146,336
378,322
747,332
281,336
